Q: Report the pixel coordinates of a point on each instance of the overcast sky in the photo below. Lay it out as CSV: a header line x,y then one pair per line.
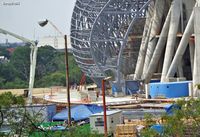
x,y
21,17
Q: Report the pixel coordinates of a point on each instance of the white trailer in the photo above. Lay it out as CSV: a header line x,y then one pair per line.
x,y
97,121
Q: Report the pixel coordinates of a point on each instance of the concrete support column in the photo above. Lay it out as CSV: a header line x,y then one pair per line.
x,y
190,87
158,50
147,91
156,26
180,69
160,64
180,65
171,41
182,46
144,43
196,74
192,48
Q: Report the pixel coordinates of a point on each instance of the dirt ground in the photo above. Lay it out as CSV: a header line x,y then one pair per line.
x,y
39,92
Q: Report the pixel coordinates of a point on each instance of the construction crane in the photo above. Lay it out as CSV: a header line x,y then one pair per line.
x,y
33,57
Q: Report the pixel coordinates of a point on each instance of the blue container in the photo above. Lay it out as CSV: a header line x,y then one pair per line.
x,y
131,87
116,88
155,81
169,89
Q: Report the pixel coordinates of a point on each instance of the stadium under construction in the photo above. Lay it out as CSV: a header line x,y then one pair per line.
x,y
139,40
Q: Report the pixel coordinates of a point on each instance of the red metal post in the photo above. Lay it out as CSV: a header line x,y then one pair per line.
x,y
104,108
67,82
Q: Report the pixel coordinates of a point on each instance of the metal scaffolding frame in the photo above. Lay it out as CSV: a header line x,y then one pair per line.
x,y
100,31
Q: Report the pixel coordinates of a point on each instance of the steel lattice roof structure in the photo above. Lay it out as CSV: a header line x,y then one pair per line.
x,y
102,36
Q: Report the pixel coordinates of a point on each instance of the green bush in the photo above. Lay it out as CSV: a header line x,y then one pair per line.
x,y
178,123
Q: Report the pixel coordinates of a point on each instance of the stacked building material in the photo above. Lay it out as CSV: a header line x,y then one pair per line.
x,y
126,130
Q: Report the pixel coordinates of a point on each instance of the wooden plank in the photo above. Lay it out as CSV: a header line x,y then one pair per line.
x,y
138,106
126,129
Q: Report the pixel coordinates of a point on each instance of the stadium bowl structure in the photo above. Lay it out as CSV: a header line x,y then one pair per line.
x,y
106,36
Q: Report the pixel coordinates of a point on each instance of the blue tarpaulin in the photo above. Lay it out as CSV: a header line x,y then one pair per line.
x,y
79,112
158,128
170,108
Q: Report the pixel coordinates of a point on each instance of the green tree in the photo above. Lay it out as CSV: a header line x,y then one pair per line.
x,y
8,77
50,68
45,61
7,72
4,52
74,71
20,60
53,79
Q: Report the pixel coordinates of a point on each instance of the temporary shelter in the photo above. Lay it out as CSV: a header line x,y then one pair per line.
x,y
79,112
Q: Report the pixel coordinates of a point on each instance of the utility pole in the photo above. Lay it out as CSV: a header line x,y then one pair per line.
x,y
42,24
104,104
67,81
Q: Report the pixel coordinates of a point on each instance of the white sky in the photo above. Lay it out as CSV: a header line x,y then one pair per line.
x,y
22,17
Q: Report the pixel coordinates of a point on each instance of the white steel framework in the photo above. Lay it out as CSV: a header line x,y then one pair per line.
x,y
102,36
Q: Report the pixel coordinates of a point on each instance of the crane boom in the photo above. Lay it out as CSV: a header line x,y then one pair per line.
x,y
33,57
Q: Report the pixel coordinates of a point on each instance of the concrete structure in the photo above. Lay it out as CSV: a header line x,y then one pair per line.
x,y
159,9
97,122
196,73
171,41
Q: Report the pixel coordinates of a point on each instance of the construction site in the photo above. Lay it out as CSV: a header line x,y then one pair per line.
x,y
146,46
142,56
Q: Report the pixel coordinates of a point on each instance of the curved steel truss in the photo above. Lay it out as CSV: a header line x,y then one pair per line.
x,y
102,35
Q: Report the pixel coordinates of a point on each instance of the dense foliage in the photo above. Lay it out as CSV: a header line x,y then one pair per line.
x,y
74,131
50,69
182,121
4,52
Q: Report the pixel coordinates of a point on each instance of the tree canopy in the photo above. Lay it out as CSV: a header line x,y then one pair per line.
x,y
50,68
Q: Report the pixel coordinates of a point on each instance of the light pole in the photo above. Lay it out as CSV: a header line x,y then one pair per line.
x,y
104,105
42,24
33,58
